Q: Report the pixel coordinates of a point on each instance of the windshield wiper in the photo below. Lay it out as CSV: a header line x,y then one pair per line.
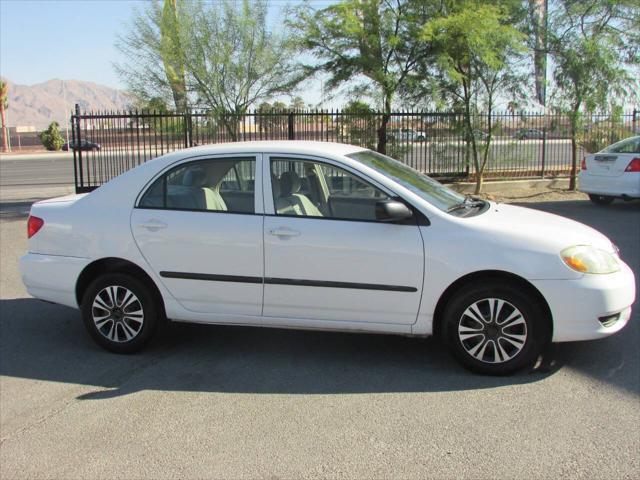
x,y
468,202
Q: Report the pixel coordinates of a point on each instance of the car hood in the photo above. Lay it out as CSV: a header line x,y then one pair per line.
x,y
536,228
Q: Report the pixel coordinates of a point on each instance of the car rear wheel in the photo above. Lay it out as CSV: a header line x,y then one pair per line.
x,y
601,199
495,329
119,313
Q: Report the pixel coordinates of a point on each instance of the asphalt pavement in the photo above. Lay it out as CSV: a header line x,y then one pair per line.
x,y
234,402
36,169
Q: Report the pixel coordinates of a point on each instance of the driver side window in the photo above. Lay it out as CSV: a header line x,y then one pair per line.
x,y
312,189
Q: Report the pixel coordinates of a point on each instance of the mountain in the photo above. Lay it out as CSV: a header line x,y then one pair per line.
x,y
38,105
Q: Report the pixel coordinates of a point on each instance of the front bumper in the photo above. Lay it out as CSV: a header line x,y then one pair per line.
x,y
52,277
625,185
582,308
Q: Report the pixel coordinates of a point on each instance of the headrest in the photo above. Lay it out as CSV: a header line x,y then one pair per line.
x,y
275,186
289,183
194,177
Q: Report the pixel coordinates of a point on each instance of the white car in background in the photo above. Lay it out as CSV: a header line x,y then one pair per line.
x,y
612,173
322,236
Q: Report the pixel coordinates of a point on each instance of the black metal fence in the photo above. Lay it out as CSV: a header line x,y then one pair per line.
x,y
523,144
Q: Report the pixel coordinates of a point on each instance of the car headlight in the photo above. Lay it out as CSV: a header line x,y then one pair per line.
x,y
587,259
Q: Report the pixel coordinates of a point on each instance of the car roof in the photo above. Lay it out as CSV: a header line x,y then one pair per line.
x,y
276,146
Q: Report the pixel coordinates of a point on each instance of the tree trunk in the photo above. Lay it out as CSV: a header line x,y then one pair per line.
x,y
487,145
474,148
382,131
5,144
574,152
479,184
574,161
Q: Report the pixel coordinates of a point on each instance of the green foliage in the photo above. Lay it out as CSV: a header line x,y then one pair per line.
x,y
364,39
225,51
599,136
154,104
297,103
4,95
51,138
475,44
272,118
171,53
4,104
592,44
358,124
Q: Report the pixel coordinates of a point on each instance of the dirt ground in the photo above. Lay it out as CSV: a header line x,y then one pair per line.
x,y
541,194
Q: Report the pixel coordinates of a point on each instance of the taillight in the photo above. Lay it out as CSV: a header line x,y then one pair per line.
x,y
34,224
583,165
634,165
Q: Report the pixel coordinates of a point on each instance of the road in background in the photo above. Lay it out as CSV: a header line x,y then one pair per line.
x,y
36,169
57,168
235,402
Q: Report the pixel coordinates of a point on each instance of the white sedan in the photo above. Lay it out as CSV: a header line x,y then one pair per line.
x,y
322,236
612,173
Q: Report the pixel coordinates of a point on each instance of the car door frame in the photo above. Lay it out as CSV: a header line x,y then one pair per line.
x,y
269,211
178,311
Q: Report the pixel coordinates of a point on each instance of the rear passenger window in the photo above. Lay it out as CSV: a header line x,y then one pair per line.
x,y
220,185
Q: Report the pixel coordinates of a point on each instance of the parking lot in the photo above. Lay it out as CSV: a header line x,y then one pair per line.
x,y
225,402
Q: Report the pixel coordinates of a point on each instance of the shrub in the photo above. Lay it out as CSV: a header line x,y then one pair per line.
x,y
51,138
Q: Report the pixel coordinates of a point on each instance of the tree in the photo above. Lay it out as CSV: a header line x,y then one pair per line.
x,y
51,138
272,117
230,59
359,123
149,52
4,104
297,103
475,42
172,54
374,39
594,47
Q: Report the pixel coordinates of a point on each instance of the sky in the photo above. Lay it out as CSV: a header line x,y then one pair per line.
x,y
75,39
45,39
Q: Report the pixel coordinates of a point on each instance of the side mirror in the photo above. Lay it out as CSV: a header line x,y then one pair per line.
x,y
392,211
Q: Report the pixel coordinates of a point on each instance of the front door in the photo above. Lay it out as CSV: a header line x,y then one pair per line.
x,y
327,257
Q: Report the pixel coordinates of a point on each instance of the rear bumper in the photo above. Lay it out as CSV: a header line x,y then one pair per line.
x,y
52,277
627,184
581,308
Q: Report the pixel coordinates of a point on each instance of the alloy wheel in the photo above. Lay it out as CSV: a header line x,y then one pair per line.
x,y
117,314
492,330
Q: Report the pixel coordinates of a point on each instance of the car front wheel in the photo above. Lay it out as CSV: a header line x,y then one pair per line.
x,y
601,199
119,313
495,329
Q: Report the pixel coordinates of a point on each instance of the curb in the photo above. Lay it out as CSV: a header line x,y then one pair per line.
x,y
505,185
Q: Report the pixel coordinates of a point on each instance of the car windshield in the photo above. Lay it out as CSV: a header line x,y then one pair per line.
x,y
628,145
425,187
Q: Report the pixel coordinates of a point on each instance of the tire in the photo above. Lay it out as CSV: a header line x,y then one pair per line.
x,y
123,326
601,199
514,328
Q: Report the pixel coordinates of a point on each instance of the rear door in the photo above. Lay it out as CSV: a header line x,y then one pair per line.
x,y
199,226
327,258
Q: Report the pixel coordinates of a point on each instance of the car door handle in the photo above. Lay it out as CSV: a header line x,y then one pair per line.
x,y
284,232
153,225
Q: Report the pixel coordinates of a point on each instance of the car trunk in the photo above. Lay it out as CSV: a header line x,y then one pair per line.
x,y
607,164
